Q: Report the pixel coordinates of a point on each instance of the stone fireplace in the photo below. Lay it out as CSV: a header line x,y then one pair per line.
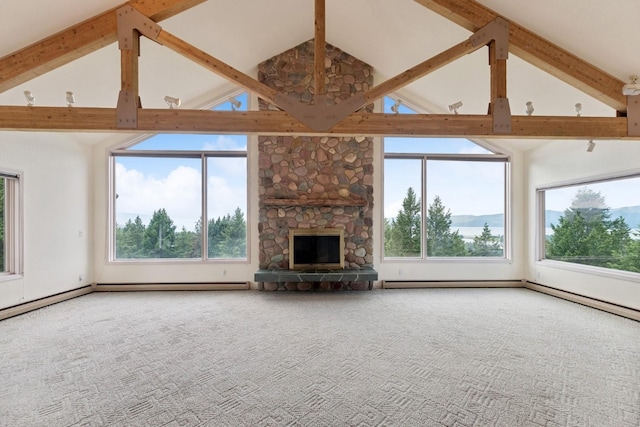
x,y
315,181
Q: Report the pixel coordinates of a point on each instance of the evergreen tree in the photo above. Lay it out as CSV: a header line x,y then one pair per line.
x,y
486,244
159,236
441,242
629,258
585,234
130,240
187,244
403,233
2,267
228,236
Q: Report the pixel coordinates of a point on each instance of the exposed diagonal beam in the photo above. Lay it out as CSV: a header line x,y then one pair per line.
x,y
558,62
77,41
213,64
280,122
420,70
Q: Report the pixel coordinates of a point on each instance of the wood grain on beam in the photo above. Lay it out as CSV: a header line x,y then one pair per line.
x,y
547,56
77,41
420,70
213,64
280,123
319,48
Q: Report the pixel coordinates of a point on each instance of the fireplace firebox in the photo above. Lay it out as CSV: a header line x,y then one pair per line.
x,y
314,248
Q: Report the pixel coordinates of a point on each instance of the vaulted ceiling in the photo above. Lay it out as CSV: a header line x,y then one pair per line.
x,y
391,35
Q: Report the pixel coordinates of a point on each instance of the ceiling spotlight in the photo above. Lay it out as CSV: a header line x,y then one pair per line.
x,y
578,109
70,99
633,88
454,107
395,108
235,104
529,110
29,97
590,146
172,102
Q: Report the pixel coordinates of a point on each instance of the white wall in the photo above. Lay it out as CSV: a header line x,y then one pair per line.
x,y
563,161
57,183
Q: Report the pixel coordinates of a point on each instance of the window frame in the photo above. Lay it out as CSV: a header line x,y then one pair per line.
x,y
425,158
540,231
14,230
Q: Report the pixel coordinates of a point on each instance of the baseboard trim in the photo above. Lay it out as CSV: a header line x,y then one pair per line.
x,y
399,284
629,313
43,302
133,287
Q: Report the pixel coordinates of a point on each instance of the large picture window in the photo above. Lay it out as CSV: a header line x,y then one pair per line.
x,y
592,223
443,198
10,225
164,186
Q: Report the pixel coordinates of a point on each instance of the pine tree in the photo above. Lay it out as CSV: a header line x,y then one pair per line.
x,y
585,234
228,236
403,233
2,224
160,236
441,242
486,244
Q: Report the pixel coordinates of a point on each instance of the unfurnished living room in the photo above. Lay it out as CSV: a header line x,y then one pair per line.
x,y
319,213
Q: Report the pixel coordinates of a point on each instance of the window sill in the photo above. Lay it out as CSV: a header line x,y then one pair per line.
x,y
589,269
6,277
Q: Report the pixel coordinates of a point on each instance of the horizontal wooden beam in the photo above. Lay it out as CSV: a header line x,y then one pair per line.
x,y
545,55
78,40
69,119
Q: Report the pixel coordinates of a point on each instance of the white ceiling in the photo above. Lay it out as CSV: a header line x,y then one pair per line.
x,y
390,35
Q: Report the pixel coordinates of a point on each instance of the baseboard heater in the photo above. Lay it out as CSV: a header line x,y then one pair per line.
x,y
26,307
403,284
132,287
629,313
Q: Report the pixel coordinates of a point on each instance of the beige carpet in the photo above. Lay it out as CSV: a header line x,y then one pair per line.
x,y
439,357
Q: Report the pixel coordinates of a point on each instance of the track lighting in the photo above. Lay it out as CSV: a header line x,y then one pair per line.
x,y
529,110
395,108
633,88
590,146
31,100
70,99
578,109
235,104
172,102
454,107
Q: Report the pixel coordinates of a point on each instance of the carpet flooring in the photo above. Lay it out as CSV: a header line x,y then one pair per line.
x,y
419,357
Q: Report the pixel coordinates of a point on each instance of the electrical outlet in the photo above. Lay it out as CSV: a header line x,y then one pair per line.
x,y
80,278
399,272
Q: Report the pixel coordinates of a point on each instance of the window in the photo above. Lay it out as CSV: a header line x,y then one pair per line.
x,y
10,225
453,189
165,185
593,223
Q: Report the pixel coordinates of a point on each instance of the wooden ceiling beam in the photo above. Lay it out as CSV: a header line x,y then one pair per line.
x,y
281,122
78,40
319,48
217,66
545,55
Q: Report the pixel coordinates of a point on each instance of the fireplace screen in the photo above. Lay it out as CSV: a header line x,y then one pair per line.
x,y
311,248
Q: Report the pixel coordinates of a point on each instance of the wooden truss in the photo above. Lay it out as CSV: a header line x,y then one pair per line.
x,y
139,18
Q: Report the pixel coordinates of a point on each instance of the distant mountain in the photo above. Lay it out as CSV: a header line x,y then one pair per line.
x,y
631,215
493,220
